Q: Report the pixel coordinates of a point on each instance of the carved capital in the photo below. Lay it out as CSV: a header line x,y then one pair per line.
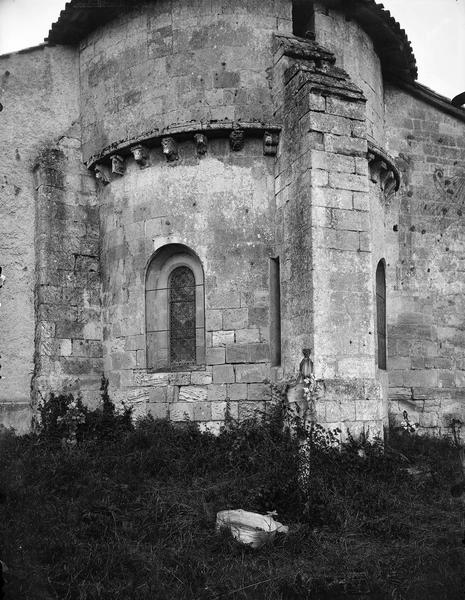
x,y
141,154
201,143
102,174
236,139
270,143
170,149
117,165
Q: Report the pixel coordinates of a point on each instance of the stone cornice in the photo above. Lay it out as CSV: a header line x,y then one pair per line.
x,y
111,159
180,132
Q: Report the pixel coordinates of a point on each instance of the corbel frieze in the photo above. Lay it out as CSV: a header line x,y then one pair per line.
x,y
383,170
111,161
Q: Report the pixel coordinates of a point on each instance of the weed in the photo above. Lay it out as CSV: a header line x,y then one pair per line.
x,y
129,511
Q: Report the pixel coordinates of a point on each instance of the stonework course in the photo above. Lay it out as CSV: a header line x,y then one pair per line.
x,y
304,192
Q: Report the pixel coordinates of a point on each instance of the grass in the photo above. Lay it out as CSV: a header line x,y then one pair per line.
x,y
129,512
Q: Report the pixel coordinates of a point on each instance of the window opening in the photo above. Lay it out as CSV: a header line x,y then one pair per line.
x,y
381,314
303,18
182,317
275,305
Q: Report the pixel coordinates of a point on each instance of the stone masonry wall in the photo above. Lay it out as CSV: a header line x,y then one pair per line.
x,y
322,200
68,341
221,206
425,264
39,95
167,63
355,53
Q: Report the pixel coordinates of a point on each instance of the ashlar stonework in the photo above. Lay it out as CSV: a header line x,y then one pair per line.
x,y
193,194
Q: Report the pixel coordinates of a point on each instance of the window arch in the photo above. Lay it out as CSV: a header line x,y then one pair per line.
x,y
174,310
381,314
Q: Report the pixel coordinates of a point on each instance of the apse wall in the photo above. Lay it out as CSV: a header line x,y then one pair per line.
x,y
355,53
220,207
167,64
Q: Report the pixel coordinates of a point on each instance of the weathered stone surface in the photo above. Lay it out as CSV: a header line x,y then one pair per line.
x,y
192,393
318,199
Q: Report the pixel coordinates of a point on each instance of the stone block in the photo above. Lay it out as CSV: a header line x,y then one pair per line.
x,y
217,392
237,391
258,392
192,393
421,378
141,359
237,353
201,378
123,360
214,320
259,353
223,374
348,181
235,318
350,110
246,336
215,356
70,329
180,378
65,347
330,198
336,125
172,393
92,349
429,419
142,378
252,373
221,338
223,299
259,317
158,394
343,144
367,410
333,162
218,410
202,411
181,411
158,410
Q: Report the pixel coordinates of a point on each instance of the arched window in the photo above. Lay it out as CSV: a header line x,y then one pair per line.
x,y
175,310
381,314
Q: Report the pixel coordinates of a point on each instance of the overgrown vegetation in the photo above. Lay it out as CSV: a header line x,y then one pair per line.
x,y
96,508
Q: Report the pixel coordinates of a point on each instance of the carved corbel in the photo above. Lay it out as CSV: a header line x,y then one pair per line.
x,y
117,165
389,184
102,174
236,139
141,155
377,167
170,149
270,143
201,143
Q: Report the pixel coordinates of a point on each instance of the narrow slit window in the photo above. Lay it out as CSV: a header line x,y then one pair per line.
x,y
182,317
303,19
381,315
275,312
